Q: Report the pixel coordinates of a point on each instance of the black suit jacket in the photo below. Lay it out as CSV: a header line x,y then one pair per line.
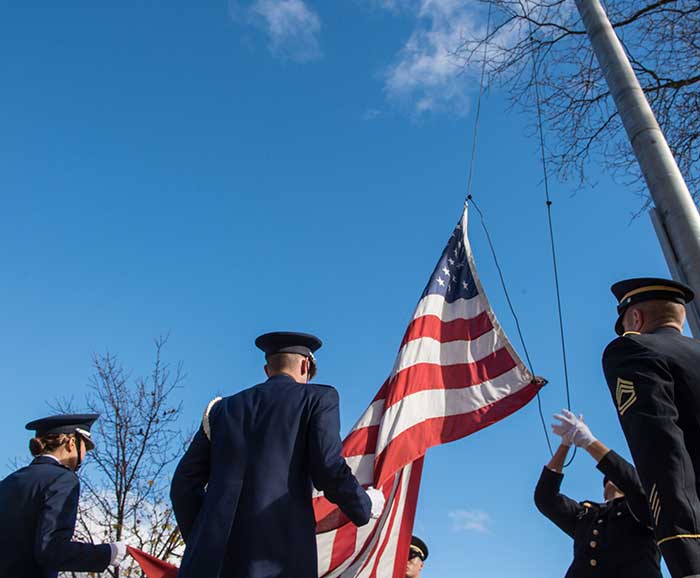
x,y
654,379
39,505
611,540
243,500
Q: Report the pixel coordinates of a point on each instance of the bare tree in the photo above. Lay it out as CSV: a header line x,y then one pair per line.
x,y
538,50
125,482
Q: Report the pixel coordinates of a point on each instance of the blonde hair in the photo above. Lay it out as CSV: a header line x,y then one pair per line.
x,y
47,443
281,361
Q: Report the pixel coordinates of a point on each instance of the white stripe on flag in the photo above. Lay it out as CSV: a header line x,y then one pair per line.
x,y
460,309
434,403
429,350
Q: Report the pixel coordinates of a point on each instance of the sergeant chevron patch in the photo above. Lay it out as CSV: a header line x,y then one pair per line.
x,y
625,395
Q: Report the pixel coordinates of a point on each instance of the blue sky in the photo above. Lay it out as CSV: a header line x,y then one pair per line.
x,y
218,170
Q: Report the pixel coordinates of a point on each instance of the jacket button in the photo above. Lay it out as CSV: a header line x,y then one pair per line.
x,y
594,562
600,521
593,543
596,532
619,513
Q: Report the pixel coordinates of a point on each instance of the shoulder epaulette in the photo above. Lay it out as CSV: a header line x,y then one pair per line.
x,y
205,418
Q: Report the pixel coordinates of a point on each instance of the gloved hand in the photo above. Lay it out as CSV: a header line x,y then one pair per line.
x,y
572,429
119,553
377,499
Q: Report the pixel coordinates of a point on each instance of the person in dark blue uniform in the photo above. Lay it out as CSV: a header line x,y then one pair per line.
x,y
653,373
613,539
242,493
39,505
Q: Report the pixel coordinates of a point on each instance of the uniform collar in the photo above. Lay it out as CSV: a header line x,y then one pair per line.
x,y
281,377
666,331
47,459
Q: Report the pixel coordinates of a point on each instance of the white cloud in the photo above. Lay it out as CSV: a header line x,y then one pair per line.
x,y
292,28
425,73
371,114
470,521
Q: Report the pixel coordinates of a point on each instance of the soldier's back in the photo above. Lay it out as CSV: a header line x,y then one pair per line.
x,y
21,499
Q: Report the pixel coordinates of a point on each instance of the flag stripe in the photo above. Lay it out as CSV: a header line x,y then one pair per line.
x,y
455,373
426,350
456,330
459,309
432,376
412,443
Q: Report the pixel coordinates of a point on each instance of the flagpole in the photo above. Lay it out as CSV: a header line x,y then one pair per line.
x,y
675,217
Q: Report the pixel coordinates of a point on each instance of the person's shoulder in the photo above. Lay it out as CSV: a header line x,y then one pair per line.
x,y
591,506
627,343
322,390
54,475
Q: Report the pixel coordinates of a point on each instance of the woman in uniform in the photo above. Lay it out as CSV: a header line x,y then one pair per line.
x,y
39,505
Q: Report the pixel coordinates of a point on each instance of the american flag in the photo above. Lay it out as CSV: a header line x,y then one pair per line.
x,y
455,373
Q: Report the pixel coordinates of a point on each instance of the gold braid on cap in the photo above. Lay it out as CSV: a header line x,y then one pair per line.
x,y
651,288
417,549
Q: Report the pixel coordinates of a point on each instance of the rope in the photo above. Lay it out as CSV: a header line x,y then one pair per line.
x,y
548,203
477,115
475,135
470,198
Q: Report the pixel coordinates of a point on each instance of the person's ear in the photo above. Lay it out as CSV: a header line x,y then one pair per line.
x,y
71,445
637,319
304,368
267,370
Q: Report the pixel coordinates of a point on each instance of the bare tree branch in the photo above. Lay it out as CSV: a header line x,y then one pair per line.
x,y
540,46
125,482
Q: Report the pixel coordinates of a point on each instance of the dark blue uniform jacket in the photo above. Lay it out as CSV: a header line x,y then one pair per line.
x,y
38,505
243,500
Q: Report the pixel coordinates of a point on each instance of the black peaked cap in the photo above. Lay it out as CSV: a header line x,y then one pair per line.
x,y
417,543
288,342
68,423
631,291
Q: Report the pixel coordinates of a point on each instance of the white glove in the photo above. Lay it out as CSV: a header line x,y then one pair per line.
x,y
377,499
119,553
572,429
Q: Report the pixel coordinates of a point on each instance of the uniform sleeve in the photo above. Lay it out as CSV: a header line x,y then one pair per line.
x,y
190,479
560,509
54,549
329,471
643,389
624,476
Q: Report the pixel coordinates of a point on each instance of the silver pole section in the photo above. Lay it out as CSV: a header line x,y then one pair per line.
x,y
672,260
675,207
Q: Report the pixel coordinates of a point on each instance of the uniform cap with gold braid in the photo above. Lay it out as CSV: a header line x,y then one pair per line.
x,y
631,291
419,547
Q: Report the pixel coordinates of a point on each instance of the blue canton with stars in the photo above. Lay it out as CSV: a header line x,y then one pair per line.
x,y
452,277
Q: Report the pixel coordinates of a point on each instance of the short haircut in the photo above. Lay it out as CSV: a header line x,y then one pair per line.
x,y
282,361
659,312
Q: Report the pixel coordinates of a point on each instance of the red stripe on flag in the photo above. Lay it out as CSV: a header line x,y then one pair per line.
x,y
361,441
458,329
152,566
389,526
409,515
414,442
344,545
423,376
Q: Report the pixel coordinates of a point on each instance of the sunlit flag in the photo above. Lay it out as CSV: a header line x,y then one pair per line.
x,y
456,373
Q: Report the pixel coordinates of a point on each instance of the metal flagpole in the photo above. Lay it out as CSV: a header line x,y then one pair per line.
x,y
676,218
